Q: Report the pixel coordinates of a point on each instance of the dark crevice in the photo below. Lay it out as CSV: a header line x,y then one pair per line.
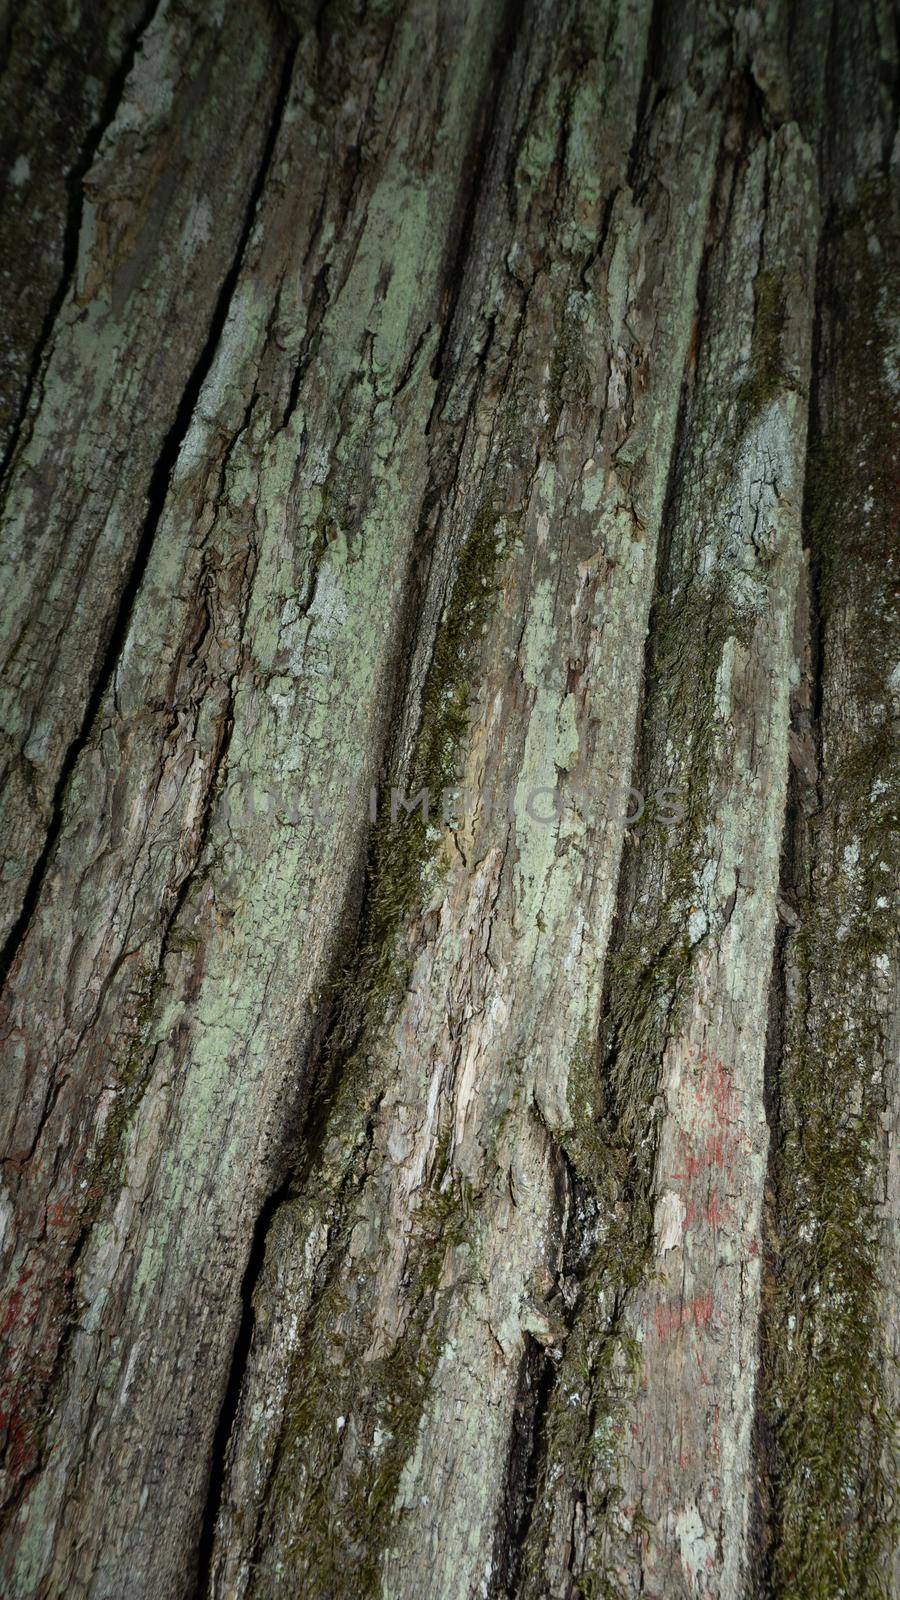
x,y
6,40
74,205
342,206
759,1540
156,499
477,165
650,86
231,1398
328,1273
816,638
534,1389
320,293
318,305
534,1397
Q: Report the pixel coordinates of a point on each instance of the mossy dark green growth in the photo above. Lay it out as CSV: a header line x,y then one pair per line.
x,y
767,374
825,1401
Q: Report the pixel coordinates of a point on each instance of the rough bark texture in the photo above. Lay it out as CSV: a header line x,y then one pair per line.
x,y
496,400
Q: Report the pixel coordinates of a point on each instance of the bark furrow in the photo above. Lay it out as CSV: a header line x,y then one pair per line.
x,y
828,1463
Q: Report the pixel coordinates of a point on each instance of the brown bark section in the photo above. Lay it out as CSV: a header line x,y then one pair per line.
x,y
448,394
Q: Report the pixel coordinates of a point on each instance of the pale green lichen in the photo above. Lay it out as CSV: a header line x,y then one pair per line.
x,y
388,1407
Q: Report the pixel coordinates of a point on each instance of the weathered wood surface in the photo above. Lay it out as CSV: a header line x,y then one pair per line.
x,y
496,400
162,213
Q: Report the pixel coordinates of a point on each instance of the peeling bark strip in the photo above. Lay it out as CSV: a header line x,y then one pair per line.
x,y
449,393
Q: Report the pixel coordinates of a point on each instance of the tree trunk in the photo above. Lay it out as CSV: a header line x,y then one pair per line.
x,y
449,1119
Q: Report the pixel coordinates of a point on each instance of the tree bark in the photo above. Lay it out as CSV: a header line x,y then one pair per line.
x,y
430,1168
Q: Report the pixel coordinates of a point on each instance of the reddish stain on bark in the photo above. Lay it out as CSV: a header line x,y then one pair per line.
x,y
714,1144
694,1313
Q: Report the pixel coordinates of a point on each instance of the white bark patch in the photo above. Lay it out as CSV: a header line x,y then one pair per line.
x,y
697,1547
670,1214
329,607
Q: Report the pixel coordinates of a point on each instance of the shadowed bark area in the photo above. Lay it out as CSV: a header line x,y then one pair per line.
x,y
427,1167
828,1399
62,75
